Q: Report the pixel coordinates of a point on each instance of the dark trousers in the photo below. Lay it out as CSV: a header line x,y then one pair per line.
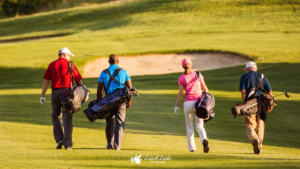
x,y
59,135
115,126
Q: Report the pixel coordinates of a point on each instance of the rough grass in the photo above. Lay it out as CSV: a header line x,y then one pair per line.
x,y
266,31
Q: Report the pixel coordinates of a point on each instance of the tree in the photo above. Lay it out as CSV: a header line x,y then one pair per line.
x,y
24,7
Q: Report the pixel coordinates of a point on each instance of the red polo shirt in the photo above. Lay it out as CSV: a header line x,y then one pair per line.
x,y
58,72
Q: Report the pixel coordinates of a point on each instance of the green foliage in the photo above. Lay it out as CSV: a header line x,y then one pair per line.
x,y
73,3
25,7
1,1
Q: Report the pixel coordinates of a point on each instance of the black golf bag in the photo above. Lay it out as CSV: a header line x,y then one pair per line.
x,y
204,107
99,109
72,100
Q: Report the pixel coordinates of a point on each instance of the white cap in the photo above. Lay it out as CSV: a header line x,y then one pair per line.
x,y
250,64
65,50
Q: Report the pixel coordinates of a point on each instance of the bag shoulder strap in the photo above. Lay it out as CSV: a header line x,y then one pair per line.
x,y
70,68
251,94
112,77
259,84
198,73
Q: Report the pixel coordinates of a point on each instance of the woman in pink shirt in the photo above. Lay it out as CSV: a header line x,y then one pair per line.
x,y
192,85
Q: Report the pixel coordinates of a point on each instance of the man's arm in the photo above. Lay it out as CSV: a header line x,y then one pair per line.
x,y
270,93
44,90
45,87
76,75
243,92
242,88
79,83
99,90
129,85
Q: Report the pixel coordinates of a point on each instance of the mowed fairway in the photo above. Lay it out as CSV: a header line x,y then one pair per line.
x,y
266,31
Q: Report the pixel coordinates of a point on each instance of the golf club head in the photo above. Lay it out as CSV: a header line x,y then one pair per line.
x,y
287,94
136,94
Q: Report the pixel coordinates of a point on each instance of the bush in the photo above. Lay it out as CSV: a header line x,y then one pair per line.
x,y
25,7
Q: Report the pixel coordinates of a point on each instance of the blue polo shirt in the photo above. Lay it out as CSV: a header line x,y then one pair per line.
x,y
249,80
122,77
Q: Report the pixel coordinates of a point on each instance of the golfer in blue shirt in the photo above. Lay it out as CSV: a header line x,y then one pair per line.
x,y
115,124
254,125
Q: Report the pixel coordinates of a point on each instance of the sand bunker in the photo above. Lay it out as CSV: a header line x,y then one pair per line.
x,y
165,63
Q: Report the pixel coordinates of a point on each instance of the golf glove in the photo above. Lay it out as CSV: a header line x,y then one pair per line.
x,y
176,110
42,100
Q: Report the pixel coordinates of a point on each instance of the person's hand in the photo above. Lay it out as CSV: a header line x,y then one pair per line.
x,y
270,109
128,105
42,100
176,110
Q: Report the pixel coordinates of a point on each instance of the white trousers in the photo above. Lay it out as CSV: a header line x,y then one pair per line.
x,y
189,112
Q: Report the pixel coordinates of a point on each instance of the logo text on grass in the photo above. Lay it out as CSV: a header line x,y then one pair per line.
x,y
154,159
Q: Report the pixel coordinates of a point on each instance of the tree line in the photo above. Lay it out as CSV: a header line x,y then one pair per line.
x,y
13,8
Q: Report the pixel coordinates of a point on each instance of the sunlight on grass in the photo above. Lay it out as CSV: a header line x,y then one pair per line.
x,y
216,93
36,148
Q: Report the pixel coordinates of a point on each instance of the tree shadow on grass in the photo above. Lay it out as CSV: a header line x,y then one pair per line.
x,y
157,118
21,77
91,19
153,113
282,77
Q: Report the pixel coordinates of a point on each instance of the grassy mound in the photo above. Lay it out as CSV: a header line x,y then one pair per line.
x,y
266,31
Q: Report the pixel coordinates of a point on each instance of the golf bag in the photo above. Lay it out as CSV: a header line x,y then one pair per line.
x,y
250,107
99,109
204,107
72,100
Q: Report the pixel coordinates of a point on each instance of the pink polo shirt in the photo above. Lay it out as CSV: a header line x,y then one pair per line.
x,y
191,86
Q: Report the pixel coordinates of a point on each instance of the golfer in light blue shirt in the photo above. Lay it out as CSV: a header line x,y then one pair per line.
x,y
115,123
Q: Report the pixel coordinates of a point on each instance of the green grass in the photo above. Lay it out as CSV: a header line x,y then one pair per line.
x,y
151,129
265,31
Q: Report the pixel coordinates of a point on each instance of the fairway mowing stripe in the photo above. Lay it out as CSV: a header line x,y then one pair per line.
x,y
216,93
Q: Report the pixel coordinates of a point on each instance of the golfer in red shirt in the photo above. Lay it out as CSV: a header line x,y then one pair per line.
x,y
61,81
